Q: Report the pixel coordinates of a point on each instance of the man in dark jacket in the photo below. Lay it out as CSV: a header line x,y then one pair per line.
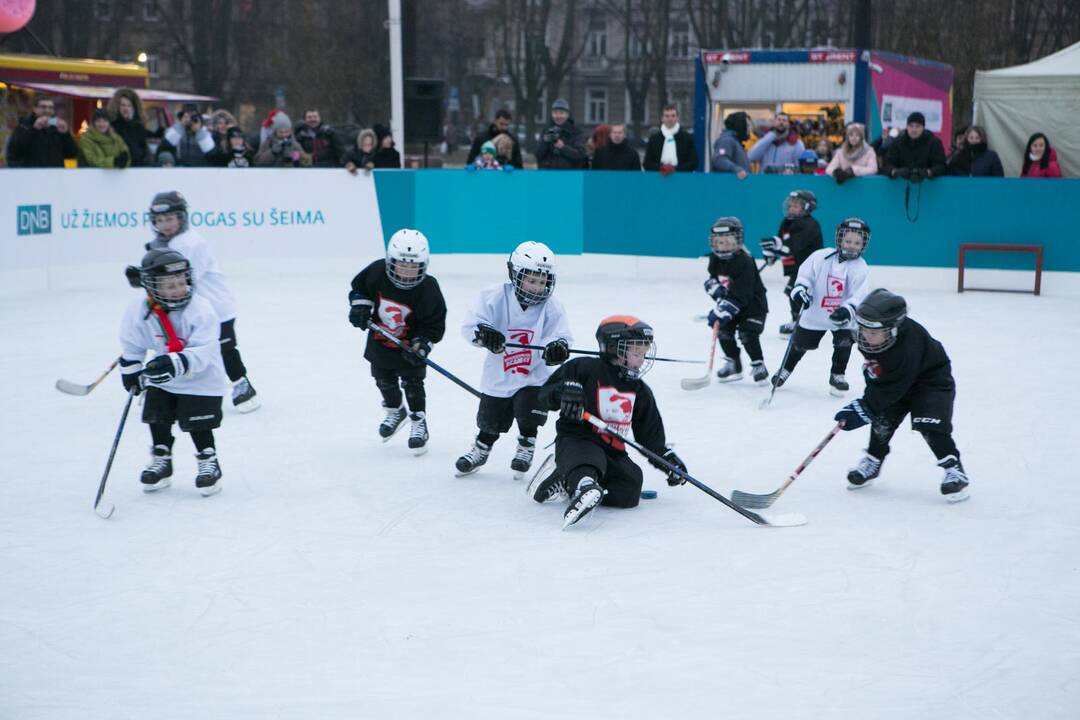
x,y
616,153
728,153
319,140
671,148
41,139
562,146
917,154
501,126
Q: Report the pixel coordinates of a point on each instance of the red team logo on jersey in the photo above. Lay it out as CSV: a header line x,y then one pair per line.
x,y
616,408
871,370
834,294
394,317
518,360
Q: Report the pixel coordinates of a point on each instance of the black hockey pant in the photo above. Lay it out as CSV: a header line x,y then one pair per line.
x,y
577,458
496,415
805,340
931,415
749,332
411,381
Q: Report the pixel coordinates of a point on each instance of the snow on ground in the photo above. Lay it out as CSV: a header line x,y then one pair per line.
x,y
338,577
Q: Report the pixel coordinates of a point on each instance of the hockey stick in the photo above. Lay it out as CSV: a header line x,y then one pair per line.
x,y
701,382
751,500
66,386
430,363
785,520
768,401
597,353
105,511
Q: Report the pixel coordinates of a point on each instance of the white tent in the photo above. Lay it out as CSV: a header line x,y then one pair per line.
x,y
1043,96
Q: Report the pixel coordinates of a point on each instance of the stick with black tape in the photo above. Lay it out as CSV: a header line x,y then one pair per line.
x,y
427,361
597,353
751,500
785,520
105,511
66,386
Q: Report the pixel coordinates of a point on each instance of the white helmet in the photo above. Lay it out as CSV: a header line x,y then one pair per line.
x,y
407,257
536,259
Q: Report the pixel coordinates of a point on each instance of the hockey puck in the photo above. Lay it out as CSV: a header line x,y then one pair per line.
x,y
648,494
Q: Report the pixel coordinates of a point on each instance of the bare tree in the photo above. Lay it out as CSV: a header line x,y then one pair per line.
x,y
523,26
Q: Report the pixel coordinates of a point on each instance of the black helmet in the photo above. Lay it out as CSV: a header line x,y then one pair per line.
x,y
165,203
725,227
799,203
858,226
617,335
157,267
880,310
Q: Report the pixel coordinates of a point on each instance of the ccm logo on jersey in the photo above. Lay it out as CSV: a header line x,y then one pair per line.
x,y
518,360
616,408
394,317
926,421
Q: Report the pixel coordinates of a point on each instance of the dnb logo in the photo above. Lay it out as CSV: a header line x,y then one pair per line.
x,y
617,410
393,316
34,219
518,360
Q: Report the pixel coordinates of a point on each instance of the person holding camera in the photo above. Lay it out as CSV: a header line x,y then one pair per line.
x,y
780,148
562,145
41,139
916,155
188,140
280,149
102,147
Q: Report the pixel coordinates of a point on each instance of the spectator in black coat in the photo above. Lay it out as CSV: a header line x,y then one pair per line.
x,y
616,154
501,126
237,153
917,154
319,140
974,158
386,156
362,156
41,139
671,148
562,145
129,122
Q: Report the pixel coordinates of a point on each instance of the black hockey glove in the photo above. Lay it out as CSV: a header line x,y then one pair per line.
x,y
840,317
715,289
854,415
725,312
134,277
556,352
801,295
360,309
490,338
167,367
132,380
673,478
418,351
121,160
901,173
571,400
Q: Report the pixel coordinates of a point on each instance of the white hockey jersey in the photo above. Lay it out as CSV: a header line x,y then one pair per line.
x,y
207,276
506,373
832,284
197,325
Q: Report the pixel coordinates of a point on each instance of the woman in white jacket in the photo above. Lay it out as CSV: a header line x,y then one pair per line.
x,y
854,157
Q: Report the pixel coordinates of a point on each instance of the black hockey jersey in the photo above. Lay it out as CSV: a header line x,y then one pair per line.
x,y
739,274
623,404
407,314
801,236
916,362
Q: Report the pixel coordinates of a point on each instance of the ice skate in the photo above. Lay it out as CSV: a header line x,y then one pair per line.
x,y
418,434
243,396
587,497
730,371
787,329
208,481
551,488
471,461
523,457
864,473
157,473
838,385
759,372
954,484
395,418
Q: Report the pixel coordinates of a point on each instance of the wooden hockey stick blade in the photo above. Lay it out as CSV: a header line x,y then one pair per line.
x,y
696,383
66,386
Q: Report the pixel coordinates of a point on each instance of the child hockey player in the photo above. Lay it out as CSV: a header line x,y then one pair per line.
x,y
735,284
591,467
830,284
169,215
185,378
523,311
798,237
398,294
907,371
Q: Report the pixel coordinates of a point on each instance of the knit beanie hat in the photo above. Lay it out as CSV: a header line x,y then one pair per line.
x,y
488,148
281,121
916,117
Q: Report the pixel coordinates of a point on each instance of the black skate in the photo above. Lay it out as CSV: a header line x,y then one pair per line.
x,y
730,371
157,473
759,372
243,396
551,488
838,384
523,457
787,328
780,377
208,481
587,497
395,418
861,475
954,484
471,461
418,435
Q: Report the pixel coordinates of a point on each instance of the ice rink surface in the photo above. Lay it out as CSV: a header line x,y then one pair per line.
x,y
338,577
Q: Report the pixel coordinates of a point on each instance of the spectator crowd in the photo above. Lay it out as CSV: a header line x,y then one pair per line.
x,y
117,137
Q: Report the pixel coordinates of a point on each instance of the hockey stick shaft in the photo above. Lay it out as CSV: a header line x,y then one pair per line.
x,y
596,353
112,451
783,363
65,386
702,382
430,363
752,500
603,427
